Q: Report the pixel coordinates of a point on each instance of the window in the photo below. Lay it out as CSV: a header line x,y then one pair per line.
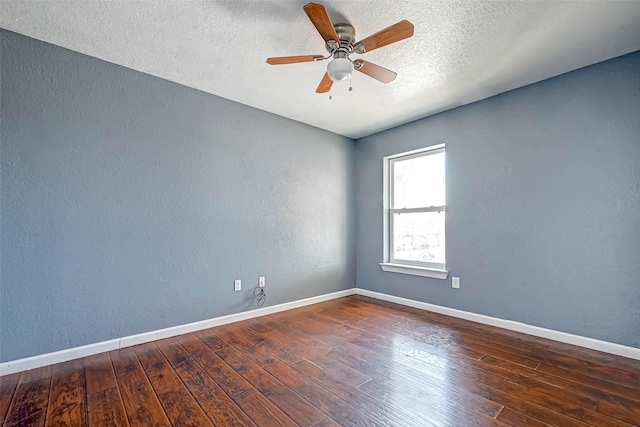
x,y
415,213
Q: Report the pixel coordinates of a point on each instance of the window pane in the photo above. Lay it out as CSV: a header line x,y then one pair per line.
x,y
419,237
419,182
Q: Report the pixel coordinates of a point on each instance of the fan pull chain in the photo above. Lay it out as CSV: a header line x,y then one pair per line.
x,y
350,88
330,97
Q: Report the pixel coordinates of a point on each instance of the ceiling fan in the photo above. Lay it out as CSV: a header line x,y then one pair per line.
x,y
340,41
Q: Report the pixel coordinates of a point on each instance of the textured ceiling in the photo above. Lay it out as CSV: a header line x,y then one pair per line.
x,y
461,51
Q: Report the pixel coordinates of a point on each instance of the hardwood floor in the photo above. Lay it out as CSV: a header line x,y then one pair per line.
x,y
348,362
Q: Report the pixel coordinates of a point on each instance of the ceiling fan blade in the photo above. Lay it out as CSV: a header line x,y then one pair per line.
x,y
293,59
396,32
320,19
325,84
372,70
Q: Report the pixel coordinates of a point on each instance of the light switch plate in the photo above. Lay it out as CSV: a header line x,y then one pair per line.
x,y
455,282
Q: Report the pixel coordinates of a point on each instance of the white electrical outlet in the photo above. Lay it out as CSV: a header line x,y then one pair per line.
x,y
261,281
237,285
455,282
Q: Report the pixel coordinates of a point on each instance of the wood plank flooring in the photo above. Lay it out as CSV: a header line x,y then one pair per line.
x,y
354,361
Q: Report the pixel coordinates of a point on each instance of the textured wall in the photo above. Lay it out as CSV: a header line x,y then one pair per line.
x,y
130,203
543,192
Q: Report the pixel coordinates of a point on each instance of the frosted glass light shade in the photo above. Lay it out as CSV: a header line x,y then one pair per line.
x,y
340,69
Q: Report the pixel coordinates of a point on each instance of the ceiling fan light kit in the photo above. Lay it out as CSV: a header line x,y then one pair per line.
x,y
340,42
340,69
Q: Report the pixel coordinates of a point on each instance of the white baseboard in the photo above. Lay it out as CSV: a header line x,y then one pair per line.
x,y
607,347
91,349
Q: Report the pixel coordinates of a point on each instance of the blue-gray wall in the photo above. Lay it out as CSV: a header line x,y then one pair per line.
x,y
543,195
130,203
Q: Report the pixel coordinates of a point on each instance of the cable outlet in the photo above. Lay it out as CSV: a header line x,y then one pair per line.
x,y
455,282
261,281
237,285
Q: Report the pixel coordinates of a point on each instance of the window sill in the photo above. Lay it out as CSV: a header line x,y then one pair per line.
x,y
434,273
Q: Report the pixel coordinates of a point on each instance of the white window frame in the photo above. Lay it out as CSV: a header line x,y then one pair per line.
x,y
425,269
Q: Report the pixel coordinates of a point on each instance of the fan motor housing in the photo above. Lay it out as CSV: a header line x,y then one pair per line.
x,y
347,35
